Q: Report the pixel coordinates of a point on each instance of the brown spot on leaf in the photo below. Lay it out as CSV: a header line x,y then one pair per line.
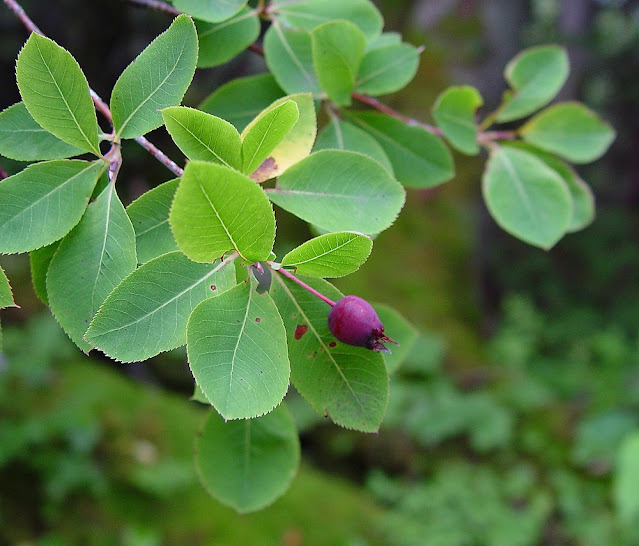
x,y
213,287
300,330
332,344
258,319
266,170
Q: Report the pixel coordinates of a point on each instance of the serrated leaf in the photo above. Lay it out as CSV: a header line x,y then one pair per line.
x,y
6,296
56,93
348,384
204,137
386,69
149,215
236,345
337,48
220,42
43,202
419,158
210,11
626,480
399,329
156,79
340,191
526,198
22,139
330,255
89,263
148,311
39,261
536,75
454,112
248,464
570,130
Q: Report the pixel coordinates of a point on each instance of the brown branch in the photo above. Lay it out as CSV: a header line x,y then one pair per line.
x,y
156,5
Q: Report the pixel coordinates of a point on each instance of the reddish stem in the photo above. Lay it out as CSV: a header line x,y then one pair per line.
x,y
303,285
3,174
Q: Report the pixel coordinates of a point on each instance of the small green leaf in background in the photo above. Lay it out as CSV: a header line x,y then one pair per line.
x,y
340,191
148,312
22,139
535,75
419,158
89,263
248,464
216,210
526,198
149,215
330,255
207,10
156,79
454,112
56,93
570,130
6,296
338,48
264,133
39,261
43,202
386,69
399,329
626,481
204,137
220,42
236,345
240,100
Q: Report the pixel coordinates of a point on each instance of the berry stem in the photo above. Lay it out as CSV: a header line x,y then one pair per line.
x,y
312,290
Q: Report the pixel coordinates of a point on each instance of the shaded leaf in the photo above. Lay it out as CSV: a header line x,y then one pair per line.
x,y
398,328
210,11
626,480
6,296
39,261
454,111
386,69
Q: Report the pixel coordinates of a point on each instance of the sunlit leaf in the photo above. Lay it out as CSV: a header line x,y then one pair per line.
x,y
207,10
386,69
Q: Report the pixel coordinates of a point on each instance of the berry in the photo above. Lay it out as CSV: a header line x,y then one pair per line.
x,y
353,321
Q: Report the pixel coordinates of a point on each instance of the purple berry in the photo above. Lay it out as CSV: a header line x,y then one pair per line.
x,y
353,321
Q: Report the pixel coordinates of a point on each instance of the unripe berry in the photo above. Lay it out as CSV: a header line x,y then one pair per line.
x,y
353,321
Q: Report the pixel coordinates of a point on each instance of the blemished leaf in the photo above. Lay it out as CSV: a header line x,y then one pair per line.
x,y
261,137
240,100
56,93
348,384
216,210
203,136
570,130
341,135
288,55
6,296
419,158
89,263
248,464
535,75
220,42
340,191
236,345
156,79
210,11
43,202
330,255
398,328
148,311
626,480
22,139
526,198
39,261
454,112
338,48
149,215
386,69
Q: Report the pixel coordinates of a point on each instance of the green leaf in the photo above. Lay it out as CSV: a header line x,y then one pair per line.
x,y
240,100
220,42
626,481
89,263
56,93
536,75
288,55
348,384
149,215
22,139
526,198
6,296
338,48
383,40
148,311
203,136
210,11
341,135
261,136
156,79
398,328
216,210
386,69
236,345
419,159
570,130
43,202
340,191
454,111
248,464
39,260
330,255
